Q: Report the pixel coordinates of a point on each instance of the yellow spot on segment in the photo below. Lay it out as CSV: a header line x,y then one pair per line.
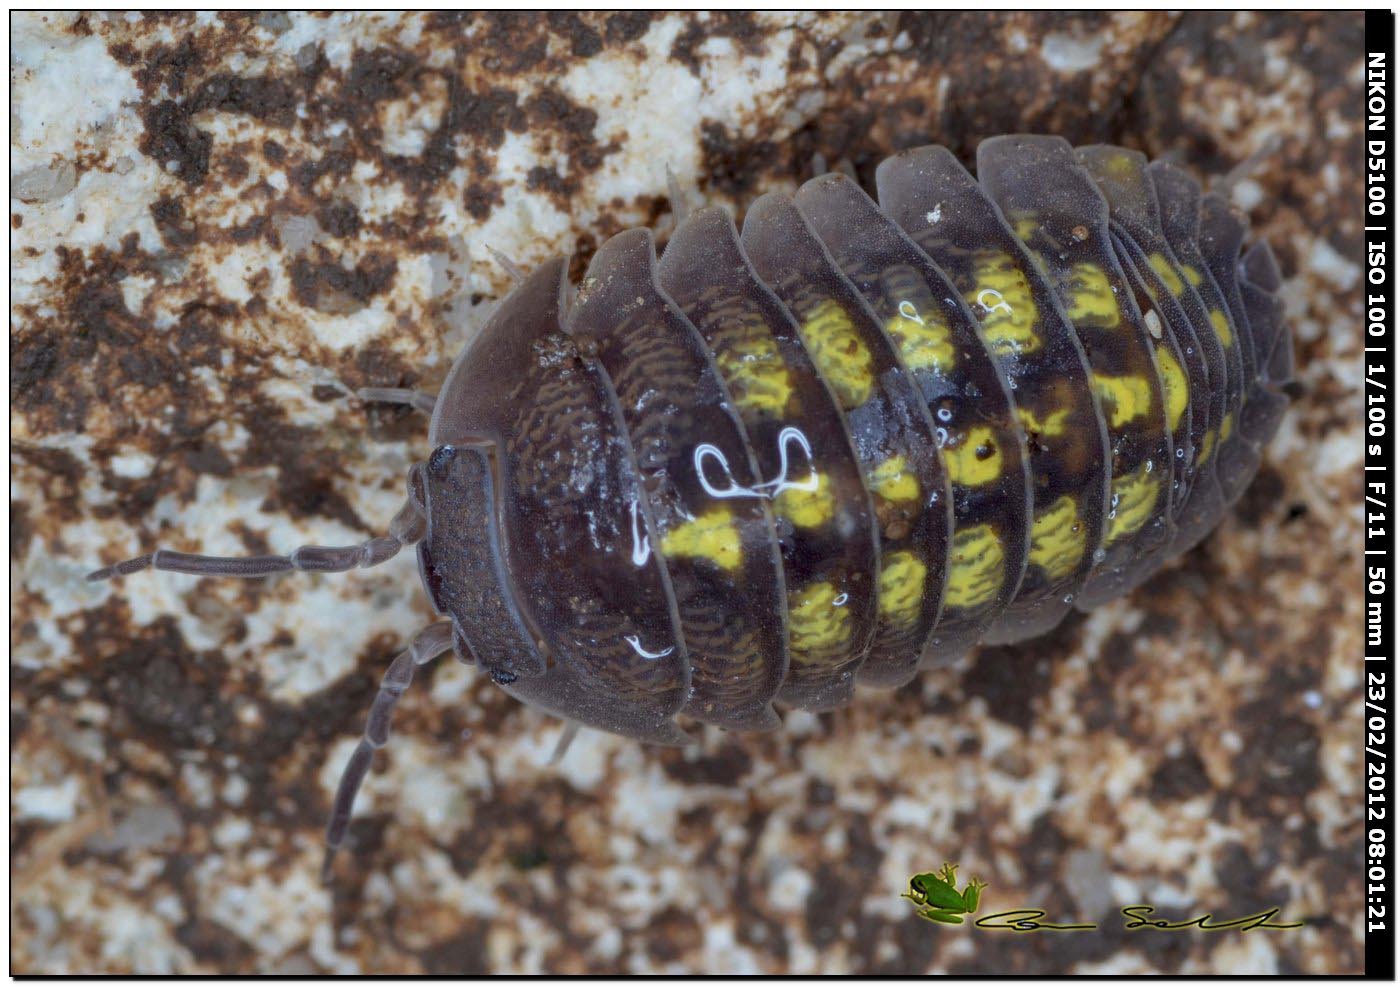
x,y
1227,427
1133,499
1090,299
974,461
756,374
975,568
1124,398
1026,227
1207,448
711,536
1057,539
1167,271
1001,299
816,622
807,504
1174,386
1221,324
923,338
839,354
894,480
902,576
1050,426
1193,276
1123,169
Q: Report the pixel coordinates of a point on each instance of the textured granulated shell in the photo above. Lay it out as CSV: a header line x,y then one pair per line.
x,y
855,440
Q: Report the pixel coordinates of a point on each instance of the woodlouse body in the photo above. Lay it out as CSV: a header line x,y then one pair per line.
x,y
847,441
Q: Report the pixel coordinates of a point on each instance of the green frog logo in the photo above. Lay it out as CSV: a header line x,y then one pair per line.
x,y
937,897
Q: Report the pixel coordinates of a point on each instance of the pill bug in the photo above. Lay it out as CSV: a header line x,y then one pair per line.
x,y
842,442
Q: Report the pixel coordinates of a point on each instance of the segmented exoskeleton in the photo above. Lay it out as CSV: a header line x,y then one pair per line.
x,y
849,441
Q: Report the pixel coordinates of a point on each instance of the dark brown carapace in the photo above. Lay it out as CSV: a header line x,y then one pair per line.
x,y
849,441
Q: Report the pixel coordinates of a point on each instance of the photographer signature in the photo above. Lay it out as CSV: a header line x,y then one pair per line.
x,y
1136,918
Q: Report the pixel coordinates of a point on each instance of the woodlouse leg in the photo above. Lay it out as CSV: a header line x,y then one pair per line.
x,y
680,205
407,527
821,166
1225,184
429,643
517,274
398,395
566,740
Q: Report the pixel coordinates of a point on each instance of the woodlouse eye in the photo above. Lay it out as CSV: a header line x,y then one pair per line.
x,y
441,459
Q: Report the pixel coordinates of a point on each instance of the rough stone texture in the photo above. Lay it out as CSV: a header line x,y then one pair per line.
x,y
225,217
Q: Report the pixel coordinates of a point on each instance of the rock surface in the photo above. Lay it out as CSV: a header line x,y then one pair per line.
x,y
221,219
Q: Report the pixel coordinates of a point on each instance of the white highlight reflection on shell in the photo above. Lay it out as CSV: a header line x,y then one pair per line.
x,y
641,546
646,654
768,490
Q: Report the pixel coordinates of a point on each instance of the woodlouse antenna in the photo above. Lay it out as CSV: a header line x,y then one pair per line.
x,y
407,527
428,644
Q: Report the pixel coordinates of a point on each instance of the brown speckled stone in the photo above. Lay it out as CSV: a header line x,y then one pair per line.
x,y
270,206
